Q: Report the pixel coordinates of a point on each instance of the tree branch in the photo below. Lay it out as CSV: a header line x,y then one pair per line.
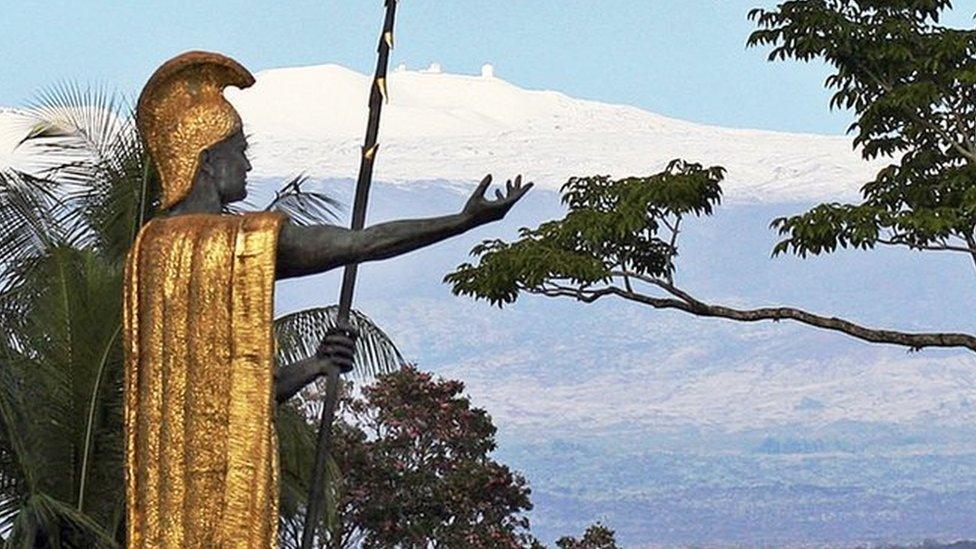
x,y
926,247
684,301
972,246
674,247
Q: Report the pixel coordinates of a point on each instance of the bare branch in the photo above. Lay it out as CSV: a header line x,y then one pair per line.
x,y
906,339
926,247
673,245
684,301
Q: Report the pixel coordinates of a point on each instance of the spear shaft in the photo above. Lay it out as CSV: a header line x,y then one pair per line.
x,y
316,492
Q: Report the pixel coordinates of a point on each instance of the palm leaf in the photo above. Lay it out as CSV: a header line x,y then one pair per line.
x,y
69,358
304,206
298,336
88,146
30,214
77,127
43,521
296,448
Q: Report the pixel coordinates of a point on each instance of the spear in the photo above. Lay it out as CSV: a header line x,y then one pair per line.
x,y
316,492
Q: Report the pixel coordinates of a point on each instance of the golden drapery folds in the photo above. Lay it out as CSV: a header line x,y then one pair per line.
x,y
201,454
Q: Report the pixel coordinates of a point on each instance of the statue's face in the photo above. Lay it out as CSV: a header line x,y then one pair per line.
x,y
227,165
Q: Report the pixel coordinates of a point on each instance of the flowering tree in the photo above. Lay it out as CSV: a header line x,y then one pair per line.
x,y
596,536
415,471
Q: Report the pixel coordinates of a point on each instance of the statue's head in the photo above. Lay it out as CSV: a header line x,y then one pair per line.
x,y
225,165
193,132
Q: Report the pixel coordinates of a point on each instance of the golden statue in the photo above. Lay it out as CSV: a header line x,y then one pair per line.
x,y
201,386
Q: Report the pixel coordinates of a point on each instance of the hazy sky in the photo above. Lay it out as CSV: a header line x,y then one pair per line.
x,y
683,58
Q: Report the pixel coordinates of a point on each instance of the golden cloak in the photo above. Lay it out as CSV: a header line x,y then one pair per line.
x,y
201,452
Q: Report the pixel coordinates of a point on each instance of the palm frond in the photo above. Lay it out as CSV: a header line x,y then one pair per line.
x,y
30,215
85,142
298,336
43,521
296,448
79,126
69,358
123,198
304,206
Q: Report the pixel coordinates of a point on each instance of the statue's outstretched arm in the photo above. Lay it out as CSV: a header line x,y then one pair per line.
x,y
310,250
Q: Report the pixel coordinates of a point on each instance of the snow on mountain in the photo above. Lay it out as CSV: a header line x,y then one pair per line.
x,y
440,126
458,128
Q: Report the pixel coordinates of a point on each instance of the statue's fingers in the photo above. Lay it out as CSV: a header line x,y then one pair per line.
x,y
350,334
340,342
483,186
345,328
518,180
343,341
498,194
344,366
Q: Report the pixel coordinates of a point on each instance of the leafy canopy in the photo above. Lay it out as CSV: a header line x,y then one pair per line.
x,y
911,84
416,470
626,225
596,536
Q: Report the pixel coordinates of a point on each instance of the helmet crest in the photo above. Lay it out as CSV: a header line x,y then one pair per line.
x,y
182,112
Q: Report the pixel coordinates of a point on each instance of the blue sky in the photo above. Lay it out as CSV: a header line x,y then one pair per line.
x,y
683,58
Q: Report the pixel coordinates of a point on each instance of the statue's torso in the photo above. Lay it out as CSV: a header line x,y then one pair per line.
x,y
201,455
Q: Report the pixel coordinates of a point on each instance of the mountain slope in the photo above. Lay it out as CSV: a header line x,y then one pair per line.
x,y
457,128
452,127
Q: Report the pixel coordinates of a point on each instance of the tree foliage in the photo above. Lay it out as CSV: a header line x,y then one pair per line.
x,y
596,536
416,471
911,84
612,226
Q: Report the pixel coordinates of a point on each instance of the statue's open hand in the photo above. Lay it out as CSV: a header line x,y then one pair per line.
x,y
484,209
339,347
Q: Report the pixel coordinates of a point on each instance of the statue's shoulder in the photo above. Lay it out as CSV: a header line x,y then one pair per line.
x,y
172,225
265,216
263,221
165,230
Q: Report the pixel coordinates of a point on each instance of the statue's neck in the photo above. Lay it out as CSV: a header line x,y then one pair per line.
x,y
203,198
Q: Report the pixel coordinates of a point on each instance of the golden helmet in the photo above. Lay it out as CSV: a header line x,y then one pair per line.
x,y
182,112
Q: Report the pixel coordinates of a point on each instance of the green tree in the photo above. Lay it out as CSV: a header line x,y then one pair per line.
x,y
911,85
596,536
416,471
65,229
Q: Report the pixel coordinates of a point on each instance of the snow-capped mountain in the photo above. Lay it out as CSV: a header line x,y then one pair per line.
x,y
440,126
